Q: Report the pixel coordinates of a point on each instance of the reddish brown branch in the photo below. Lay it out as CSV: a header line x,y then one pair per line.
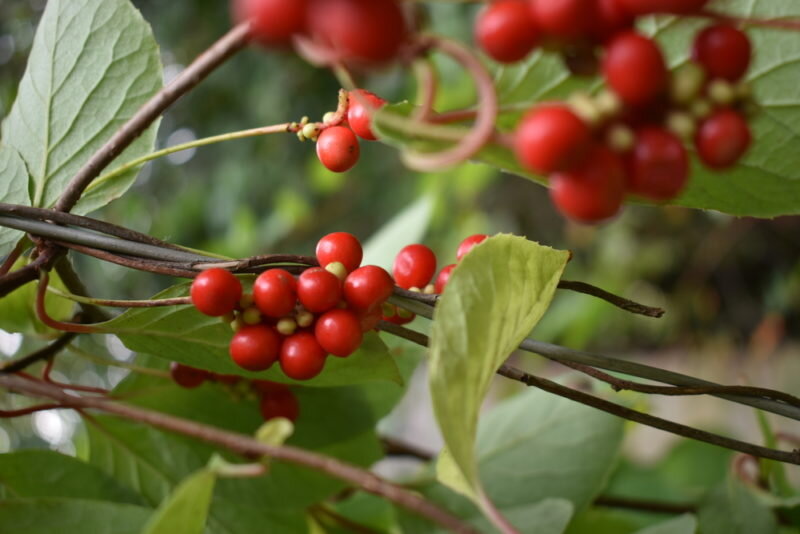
x,y
41,312
8,414
248,447
781,24
40,355
616,300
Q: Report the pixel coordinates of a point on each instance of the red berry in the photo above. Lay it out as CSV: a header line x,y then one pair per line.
x,y
722,139
361,105
318,290
723,51
302,357
367,288
280,404
339,332
468,244
272,21
551,138
592,192
337,148
256,347
414,266
369,31
268,387
342,247
275,293
443,278
567,20
658,166
634,68
646,7
611,18
505,30
216,292
187,377
369,320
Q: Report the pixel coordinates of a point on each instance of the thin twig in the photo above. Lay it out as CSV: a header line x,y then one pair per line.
x,y
615,409
321,513
13,256
781,24
248,447
657,507
42,354
73,283
616,300
111,303
41,311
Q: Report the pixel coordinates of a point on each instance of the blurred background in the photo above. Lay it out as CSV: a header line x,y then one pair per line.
x,y
731,287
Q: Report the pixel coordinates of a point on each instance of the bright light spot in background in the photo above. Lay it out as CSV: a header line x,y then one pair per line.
x,y
115,375
171,71
179,137
52,428
117,349
10,343
5,441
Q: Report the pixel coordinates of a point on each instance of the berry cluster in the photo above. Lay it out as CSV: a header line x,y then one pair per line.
x,y
298,322
337,144
361,32
274,399
630,138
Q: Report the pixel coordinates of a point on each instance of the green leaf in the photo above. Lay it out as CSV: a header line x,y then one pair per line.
x,y
92,66
685,524
18,312
71,516
182,334
408,226
494,298
13,190
38,473
186,510
731,508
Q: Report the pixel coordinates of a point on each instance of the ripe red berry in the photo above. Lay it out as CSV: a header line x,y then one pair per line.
x,y
592,192
634,68
216,292
342,247
468,244
647,7
722,139
337,148
339,332
658,166
280,404
414,266
505,30
360,108
610,18
369,31
723,51
302,357
443,278
272,21
367,288
268,387
369,320
187,377
318,290
567,20
256,347
551,138
275,293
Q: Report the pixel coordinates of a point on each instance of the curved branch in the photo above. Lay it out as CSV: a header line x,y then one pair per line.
x,y
40,355
249,447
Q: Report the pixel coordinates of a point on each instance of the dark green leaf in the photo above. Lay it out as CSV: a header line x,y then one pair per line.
x,y
38,473
685,524
731,508
494,298
92,65
70,516
13,190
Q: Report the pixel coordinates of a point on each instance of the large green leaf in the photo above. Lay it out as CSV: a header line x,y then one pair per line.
x,y
182,334
494,298
685,524
13,190
186,510
731,508
92,65
766,182
70,516
39,473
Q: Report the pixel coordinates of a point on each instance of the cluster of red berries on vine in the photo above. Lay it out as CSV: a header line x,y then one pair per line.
x,y
632,137
274,399
298,322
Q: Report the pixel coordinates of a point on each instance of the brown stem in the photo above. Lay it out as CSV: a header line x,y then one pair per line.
x,y
395,447
248,447
322,513
616,300
781,24
615,409
13,256
151,266
75,285
41,311
16,279
40,355
645,505
8,414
